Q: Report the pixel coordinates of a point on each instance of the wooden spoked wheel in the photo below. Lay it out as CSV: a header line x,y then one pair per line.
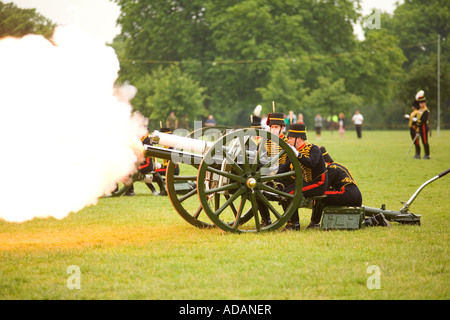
x,y
187,204
239,174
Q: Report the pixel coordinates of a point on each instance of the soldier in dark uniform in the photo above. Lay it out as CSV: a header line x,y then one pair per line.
x,y
161,171
422,122
413,128
276,123
342,189
255,122
315,177
144,168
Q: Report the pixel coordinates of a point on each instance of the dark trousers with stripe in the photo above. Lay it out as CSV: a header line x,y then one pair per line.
x,y
349,195
317,188
413,132
423,130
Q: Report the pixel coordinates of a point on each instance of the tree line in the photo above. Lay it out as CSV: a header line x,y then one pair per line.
x,y
225,57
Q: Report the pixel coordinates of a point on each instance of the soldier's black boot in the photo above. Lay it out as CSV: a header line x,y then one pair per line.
x,y
265,221
313,225
293,223
292,226
152,188
427,152
130,191
316,215
417,156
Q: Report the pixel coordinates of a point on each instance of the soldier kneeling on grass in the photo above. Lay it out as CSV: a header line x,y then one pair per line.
x,y
146,167
343,191
315,177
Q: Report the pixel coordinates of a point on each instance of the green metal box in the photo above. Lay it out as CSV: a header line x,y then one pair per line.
x,y
182,187
344,218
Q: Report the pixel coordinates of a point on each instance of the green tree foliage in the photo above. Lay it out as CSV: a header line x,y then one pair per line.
x,y
233,47
417,24
168,89
300,53
18,22
331,97
287,91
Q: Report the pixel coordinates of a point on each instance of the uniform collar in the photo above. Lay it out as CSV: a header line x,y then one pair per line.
x,y
302,146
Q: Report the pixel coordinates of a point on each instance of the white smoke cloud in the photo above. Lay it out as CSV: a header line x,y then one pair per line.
x,y
65,137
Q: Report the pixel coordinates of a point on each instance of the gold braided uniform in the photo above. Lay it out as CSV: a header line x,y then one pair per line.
x,y
274,149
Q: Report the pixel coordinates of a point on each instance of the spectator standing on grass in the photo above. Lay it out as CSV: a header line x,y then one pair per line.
x,y
318,125
358,121
289,119
184,122
172,121
292,117
341,125
210,122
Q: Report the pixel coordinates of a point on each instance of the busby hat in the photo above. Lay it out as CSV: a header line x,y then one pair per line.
x,y
325,155
276,118
165,130
421,99
420,96
145,138
256,122
297,130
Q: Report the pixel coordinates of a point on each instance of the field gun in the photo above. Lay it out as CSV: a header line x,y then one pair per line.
x,y
233,173
234,170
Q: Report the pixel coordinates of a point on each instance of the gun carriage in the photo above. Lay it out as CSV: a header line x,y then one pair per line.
x,y
236,173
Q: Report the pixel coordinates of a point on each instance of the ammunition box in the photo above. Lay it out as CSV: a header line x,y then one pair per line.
x,y
182,187
344,218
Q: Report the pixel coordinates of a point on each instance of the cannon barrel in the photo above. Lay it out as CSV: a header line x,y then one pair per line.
x,y
179,142
170,141
171,154
191,151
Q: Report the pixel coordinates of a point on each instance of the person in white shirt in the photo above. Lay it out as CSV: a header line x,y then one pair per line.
x,y
358,121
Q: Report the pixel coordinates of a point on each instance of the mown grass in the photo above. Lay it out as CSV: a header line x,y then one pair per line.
x,y
140,248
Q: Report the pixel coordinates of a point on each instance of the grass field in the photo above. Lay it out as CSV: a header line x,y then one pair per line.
x,y
140,248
